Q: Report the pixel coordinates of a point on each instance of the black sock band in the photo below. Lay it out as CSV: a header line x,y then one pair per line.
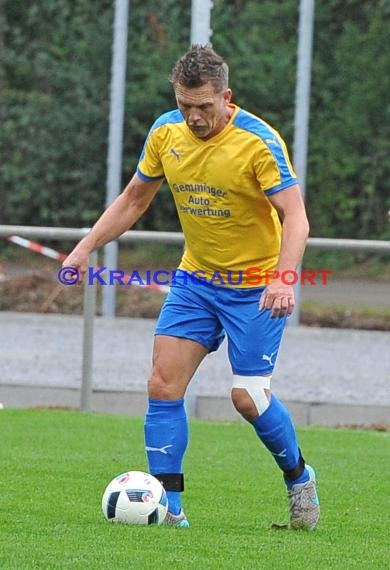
x,y
292,474
171,481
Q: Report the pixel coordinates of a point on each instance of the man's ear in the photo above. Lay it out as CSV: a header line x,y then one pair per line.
x,y
228,95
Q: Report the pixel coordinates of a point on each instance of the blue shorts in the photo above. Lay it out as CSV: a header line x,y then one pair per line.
x,y
205,313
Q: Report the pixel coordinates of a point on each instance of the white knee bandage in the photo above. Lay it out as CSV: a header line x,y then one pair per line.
x,y
255,386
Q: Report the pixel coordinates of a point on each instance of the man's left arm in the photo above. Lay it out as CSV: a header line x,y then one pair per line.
x,y
279,295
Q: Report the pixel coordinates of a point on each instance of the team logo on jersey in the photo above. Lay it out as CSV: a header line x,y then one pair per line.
x,y
176,154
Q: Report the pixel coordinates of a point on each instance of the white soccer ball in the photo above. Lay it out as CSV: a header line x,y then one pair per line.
x,y
135,497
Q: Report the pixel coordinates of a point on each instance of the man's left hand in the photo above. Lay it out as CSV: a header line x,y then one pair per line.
x,y
279,298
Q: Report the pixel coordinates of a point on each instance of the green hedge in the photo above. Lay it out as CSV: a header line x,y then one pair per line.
x,y
54,100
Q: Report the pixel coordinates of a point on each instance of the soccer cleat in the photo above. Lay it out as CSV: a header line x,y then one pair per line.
x,y
179,520
304,503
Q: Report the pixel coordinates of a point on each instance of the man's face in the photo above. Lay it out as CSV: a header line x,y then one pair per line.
x,y
204,110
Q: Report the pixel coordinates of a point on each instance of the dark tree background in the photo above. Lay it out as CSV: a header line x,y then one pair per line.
x,y
54,88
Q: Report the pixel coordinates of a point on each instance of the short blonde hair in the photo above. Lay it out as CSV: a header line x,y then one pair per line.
x,y
200,65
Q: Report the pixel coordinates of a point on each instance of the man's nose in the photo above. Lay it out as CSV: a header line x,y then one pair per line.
x,y
193,115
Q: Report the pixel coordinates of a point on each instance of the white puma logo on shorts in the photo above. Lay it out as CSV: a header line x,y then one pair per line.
x,y
268,358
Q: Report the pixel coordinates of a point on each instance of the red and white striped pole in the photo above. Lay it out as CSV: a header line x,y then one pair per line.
x,y
59,256
38,248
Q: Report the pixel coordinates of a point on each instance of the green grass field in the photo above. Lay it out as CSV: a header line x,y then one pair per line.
x,y
56,464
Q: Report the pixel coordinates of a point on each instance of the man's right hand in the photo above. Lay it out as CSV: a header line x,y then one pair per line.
x,y
78,259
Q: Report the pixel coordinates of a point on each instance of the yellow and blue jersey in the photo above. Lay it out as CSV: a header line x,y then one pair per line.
x,y
220,187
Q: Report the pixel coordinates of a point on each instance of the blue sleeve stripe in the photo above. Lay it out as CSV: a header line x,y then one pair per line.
x,y
174,116
147,178
275,189
256,126
170,117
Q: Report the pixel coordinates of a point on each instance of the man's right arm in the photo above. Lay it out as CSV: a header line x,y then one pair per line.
x,y
120,216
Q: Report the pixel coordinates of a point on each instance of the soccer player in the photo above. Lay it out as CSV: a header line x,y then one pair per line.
x,y
244,220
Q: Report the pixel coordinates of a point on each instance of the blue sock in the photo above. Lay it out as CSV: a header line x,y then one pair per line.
x,y
276,430
166,439
305,476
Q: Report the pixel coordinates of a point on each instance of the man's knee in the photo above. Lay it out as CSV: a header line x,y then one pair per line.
x,y
251,395
159,386
175,360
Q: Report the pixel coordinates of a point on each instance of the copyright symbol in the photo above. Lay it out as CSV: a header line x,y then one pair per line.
x,y
68,275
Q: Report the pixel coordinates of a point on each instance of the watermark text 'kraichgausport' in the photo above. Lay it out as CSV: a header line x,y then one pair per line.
x,y
250,277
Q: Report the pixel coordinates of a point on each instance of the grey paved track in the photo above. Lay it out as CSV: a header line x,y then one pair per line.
x,y
329,376
350,293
